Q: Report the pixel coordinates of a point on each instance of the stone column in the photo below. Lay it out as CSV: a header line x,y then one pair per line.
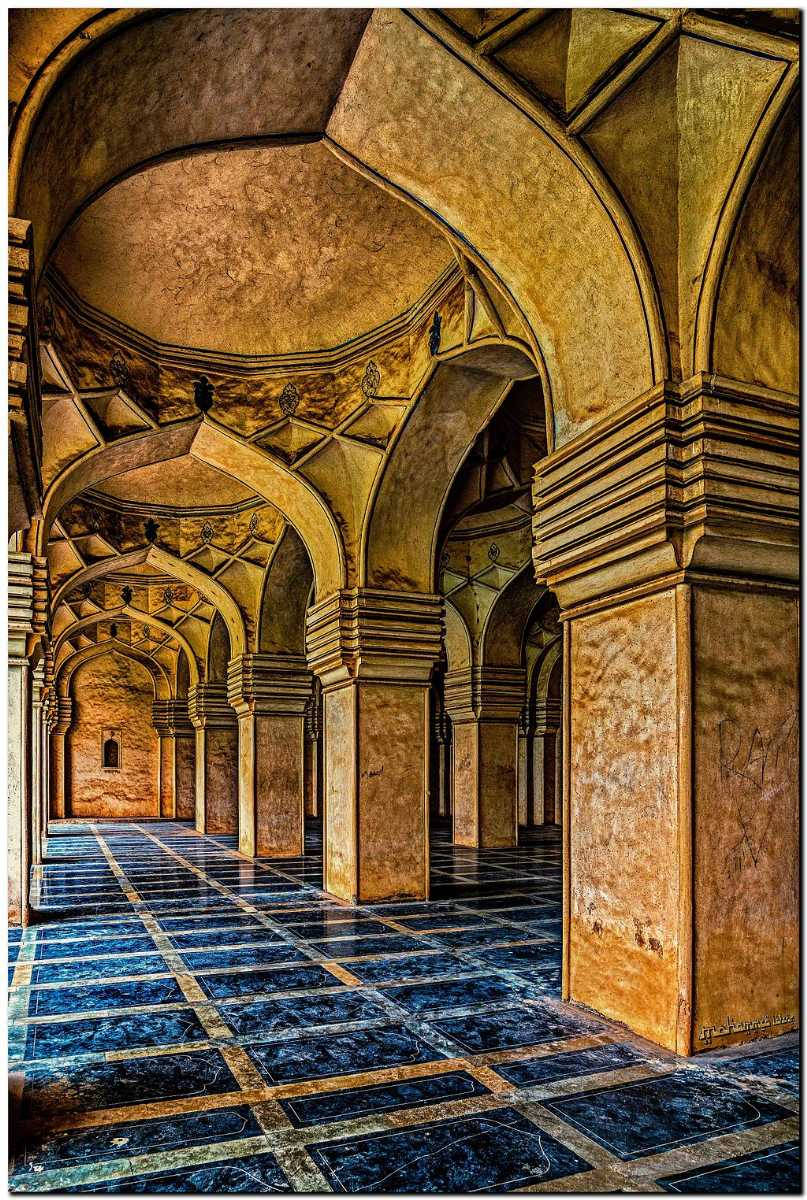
x,y
37,680
547,784
182,754
216,758
441,741
313,752
19,828
59,765
269,692
669,532
524,781
166,790
47,776
374,652
484,704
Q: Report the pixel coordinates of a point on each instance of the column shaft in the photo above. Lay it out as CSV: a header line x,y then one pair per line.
x,y
374,652
216,759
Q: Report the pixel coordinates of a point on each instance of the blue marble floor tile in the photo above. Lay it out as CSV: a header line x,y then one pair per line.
x,y
225,937
782,1065
99,968
496,1151
776,1169
525,1026
483,936
381,1097
341,1054
298,1012
98,1035
571,1063
446,920
409,966
48,1002
455,993
516,957
653,1115
127,1139
247,956
194,923
94,946
253,1174
337,928
84,1087
338,948
246,983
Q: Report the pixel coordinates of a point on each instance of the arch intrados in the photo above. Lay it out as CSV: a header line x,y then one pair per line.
x,y
510,614
457,635
286,589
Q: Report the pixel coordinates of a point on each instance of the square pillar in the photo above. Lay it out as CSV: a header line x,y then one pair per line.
x,y
19,738
484,704
313,753
269,693
374,652
216,758
59,773
669,533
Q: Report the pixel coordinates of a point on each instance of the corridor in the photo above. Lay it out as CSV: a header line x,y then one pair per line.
x,y
186,1020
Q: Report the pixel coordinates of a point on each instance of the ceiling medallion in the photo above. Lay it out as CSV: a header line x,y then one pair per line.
x,y
151,530
168,596
207,532
435,333
371,380
126,593
253,523
119,370
493,552
289,399
203,394
113,630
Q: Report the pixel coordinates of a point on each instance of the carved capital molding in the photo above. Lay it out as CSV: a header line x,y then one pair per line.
x,y
547,716
485,694
62,715
694,477
208,707
269,684
370,634
24,394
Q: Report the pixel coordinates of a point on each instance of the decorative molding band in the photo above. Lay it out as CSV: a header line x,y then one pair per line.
x,y
172,512
695,476
208,707
269,684
371,634
547,716
302,362
485,694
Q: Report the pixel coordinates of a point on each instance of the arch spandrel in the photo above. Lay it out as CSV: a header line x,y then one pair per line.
x,y
459,652
467,153
502,640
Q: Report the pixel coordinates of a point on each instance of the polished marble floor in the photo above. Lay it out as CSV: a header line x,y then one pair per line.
x,y
185,1020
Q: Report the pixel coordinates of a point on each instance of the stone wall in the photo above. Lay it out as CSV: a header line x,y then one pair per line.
x,y
113,691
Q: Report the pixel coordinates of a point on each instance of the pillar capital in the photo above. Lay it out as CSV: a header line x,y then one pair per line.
x,y
268,684
547,716
374,635
170,718
485,694
208,707
689,480
62,715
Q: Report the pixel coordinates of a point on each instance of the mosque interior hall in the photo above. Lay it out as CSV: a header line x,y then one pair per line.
x,y
403,600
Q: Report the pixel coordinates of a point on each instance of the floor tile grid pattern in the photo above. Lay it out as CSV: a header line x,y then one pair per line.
x,y
453,1068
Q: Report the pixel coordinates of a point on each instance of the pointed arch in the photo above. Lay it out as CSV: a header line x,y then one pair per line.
x,y
216,446
502,641
459,397
134,614
169,564
457,640
66,669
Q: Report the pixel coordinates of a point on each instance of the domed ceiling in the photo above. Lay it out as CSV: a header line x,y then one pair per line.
x,y
263,250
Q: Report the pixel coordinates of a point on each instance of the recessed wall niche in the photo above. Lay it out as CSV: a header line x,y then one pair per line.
x,y
111,749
